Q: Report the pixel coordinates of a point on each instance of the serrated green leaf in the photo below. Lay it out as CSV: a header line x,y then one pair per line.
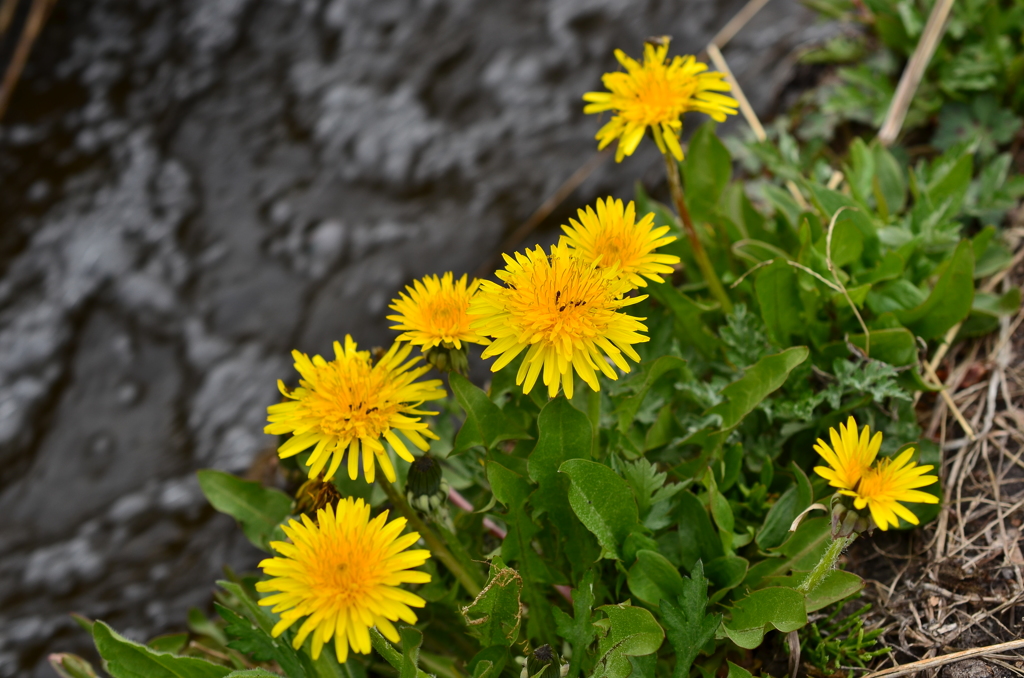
x,y
603,502
486,425
126,659
578,630
494,617
258,509
248,638
687,626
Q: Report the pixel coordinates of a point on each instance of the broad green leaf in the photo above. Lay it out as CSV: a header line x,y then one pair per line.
x,y
630,632
759,381
950,300
252,673
687,626
860,173
258,509
564,433
603,502
997,305
697,537
412,638
779,299
707,169
250,639
171,642
578,630
726,572
891,182
782,513
295,663
951,186
831,201
689,326
801,551
486,425
895,346
770,608
847,244
628,408
126,659
837,585
737,671
653,578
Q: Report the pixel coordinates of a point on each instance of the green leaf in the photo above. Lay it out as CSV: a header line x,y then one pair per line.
x,y
603,502
653,578
294,663
781,515
837,585
126,659
950,185
171,642
726,572
486,425
249,638
892,184
412,638
579,630
489,662
779,299
689,325
950,300
770,608
564,433
801,551
895,346
697,537
252,673
258,509
737,671
707,169
494,617
687,626
652,372
997,305
630,632
759,381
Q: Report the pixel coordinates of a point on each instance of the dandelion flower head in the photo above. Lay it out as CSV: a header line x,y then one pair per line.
x,y
883,486
432,312
351,402
655,94
890,484
850,455
343,574
612,236
565,312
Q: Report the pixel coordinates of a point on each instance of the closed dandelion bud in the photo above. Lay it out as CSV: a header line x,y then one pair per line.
x,y
448,358
543,662
424,477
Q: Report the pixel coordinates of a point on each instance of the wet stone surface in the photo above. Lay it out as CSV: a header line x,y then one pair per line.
x,y
193,188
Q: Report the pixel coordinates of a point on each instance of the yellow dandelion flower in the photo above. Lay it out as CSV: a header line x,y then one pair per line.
x,y
850,456
352,401
612,236
432,312
655,94
343,574
564,311
890,484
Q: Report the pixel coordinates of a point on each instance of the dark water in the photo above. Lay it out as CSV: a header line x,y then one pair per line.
x,y
190,189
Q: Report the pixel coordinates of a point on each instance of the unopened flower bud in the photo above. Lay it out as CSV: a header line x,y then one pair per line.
x,y
543,662
446,358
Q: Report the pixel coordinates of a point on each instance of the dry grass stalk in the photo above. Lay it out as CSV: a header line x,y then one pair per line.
x,y
748,112
33,26
914,71
936,662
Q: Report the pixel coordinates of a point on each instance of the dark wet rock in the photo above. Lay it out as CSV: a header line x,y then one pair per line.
x,y
193,188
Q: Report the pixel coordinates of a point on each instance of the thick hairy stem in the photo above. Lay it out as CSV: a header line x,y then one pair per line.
x,y
706,269
825,565
434,544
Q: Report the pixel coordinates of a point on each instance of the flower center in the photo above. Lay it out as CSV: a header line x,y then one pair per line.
x,y
343,571
657,98
353,400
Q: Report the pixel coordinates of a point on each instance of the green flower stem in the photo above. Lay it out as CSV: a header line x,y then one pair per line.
x,y
706,269
594,414
390,654
436,546
825,565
